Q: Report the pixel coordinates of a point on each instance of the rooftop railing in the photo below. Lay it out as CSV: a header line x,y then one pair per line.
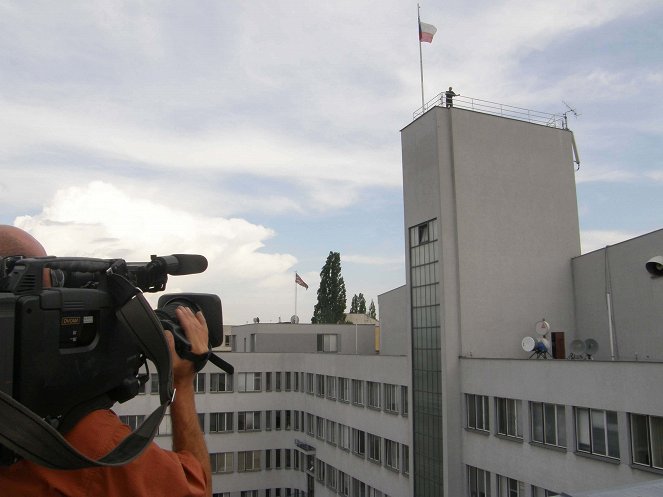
x,y
496,109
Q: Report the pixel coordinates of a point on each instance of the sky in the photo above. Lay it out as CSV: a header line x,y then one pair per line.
x,y
265,134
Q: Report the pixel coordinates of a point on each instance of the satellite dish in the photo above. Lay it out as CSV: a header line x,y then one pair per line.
x,y
578,347
542,327
528,344
294,319
592,347
543,345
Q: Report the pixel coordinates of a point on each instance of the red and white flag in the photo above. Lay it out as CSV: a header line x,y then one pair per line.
x,y
426,32
300,281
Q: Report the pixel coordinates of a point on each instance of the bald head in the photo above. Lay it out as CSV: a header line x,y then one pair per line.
x,y
15,241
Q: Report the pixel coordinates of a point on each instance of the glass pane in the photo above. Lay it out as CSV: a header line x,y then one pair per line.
x,y
582,430
551,428
613,434
639,443
561,426
537,422
656,427
598,433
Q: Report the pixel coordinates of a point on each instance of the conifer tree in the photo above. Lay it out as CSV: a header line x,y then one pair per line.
x,y
331,294
371,310
361,304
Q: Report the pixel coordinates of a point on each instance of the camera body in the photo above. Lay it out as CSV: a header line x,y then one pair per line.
x,y
62,347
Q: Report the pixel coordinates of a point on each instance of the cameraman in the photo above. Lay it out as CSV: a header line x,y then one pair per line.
x,y
185,471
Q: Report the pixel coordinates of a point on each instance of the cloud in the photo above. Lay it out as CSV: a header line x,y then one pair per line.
x,y
373,260
101,220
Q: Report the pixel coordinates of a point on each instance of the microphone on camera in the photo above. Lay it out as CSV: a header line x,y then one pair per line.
x,y
180,264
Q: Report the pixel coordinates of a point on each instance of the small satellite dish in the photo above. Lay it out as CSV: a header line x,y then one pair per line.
x,y
294,319
542,327
578,347
543,345
591,346
528,344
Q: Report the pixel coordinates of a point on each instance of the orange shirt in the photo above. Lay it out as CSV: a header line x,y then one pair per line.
x,y
156,472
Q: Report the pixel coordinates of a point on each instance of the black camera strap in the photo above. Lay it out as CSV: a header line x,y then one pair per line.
x,y
32,438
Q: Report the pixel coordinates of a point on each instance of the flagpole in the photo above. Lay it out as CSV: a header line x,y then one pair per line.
x,y
295,293
421,59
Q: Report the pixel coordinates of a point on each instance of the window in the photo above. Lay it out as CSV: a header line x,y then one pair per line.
x,y
248,460
478,482
343,390
391,452
268,420
154,383
358,392
288,420
391,398
199,383
320,427
220,382
288,381
332,477
477,412
268,458
165,427
358,488
374,447
508,417
268,382
343,484
277,381
248,382
359,442
320,385
288,458
133,421
596,432
508,487
542,492
220,422
277,458
310,424
222,462
331,387
248,421
320,470
647,440
327,343
404,405
331,432
248,493
373,397
278,419
309,383
406,459
344,436
548,424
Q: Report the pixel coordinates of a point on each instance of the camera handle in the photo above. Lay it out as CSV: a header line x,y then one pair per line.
x,y
29,436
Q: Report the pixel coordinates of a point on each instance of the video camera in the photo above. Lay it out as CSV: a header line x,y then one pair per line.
x,y
63,347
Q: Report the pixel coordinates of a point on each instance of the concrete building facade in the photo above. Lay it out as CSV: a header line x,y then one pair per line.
x,y
492,251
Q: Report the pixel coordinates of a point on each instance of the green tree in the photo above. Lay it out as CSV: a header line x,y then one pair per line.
x,y
361,304
371,310
331,294
354,306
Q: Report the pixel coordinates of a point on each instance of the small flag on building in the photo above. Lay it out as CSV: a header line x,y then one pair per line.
x,y
300,281
426,32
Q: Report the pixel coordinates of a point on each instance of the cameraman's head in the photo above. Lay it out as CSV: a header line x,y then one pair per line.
x,y
15,241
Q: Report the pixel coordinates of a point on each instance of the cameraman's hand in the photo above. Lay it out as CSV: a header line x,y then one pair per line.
x,y
195,329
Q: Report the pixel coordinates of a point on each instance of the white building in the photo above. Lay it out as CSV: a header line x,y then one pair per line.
x,y
493,249
310,410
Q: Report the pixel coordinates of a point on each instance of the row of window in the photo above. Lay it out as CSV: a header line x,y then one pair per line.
x,y
268,492
596,430
346,485
479,485
375,395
